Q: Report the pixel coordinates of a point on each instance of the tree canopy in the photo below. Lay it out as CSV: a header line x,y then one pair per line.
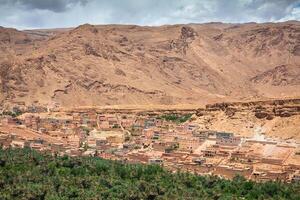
x,y
27,174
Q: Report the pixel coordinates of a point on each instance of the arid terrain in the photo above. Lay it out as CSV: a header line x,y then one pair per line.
x,y
259,140
212,98
127,65
277,119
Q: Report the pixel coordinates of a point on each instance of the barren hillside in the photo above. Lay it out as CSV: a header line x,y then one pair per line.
x,y
273,118
168,65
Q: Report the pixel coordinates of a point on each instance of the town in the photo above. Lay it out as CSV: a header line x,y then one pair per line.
x,y
170,138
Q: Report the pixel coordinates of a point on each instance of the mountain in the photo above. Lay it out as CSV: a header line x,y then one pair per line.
x,y
195,64
282,75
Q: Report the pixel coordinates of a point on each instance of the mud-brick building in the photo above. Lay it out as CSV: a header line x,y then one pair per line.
x,y
227,139
209,152
17,143
231,171
267,175
8,120
57,147
127,123
32,122
189,127
5,140
295,177
107,122
137,158
188,143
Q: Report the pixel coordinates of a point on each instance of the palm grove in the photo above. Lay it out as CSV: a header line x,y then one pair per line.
x,y
27,174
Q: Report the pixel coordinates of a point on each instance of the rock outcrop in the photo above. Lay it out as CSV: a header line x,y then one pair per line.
x,y
274,118
192,64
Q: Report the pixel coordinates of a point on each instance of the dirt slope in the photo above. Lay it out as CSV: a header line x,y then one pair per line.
x,y
272,118
167,65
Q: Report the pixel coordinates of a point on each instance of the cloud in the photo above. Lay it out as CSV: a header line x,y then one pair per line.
x,y
65,13
51,5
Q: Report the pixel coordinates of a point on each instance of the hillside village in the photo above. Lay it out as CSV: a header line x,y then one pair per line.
x,y
175,139
156,100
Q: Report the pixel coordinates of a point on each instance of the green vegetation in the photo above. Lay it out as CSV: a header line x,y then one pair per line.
x,y
172,147
86,129
176,118
115,126
11,113
27,174
135,131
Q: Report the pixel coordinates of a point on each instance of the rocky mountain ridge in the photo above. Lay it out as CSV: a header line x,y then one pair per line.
x,y
192,64
273,118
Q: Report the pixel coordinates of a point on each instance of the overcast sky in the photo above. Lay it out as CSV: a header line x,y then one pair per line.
x,y
28,14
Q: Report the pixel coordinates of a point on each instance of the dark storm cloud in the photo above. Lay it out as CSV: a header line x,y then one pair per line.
x,y
63,13
52,5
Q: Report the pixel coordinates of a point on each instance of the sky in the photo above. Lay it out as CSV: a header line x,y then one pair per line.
x,y
34,14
